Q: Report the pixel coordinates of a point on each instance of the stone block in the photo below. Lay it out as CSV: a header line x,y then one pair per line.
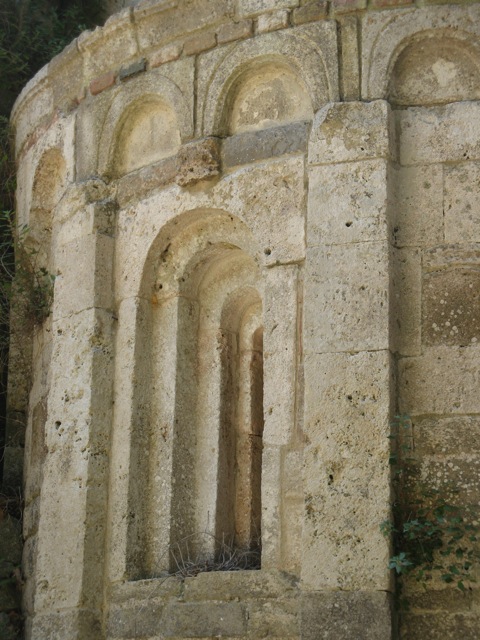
x,y
444,380
345,6
347,424
139,184
132,70
85,287
347,203
272,21
251,146
271,508
314,10
456,477
405,301
447,436
343,616
199,160
234,31
167,22
417,205
65,624
231,586
141,591
199,43
195,620
166,54
267,619
339,133
137,620
246,8
451,307
350,74
347,298
280,353
102,82
448,626
462,203
429,135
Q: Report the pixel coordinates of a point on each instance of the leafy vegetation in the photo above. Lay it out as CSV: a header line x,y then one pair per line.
x,y
432,538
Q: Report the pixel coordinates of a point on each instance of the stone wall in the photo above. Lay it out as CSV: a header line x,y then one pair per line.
x,y
262,218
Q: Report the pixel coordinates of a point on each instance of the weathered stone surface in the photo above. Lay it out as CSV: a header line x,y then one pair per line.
x,y
244,148
272,21
346,298
462,203
239,585
429,135
451,307
196,620
236,31
132,70
166,54
103,82
253,7
441,625
447,436
342,616
347,203
198,161
350,78
313,10
136,620
444,380
406,301
339,135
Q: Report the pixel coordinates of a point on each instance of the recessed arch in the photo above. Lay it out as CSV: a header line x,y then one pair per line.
x,y
267,94
281,49
434,68
147,133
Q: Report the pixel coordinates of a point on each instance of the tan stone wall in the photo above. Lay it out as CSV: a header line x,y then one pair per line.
x,y
262,219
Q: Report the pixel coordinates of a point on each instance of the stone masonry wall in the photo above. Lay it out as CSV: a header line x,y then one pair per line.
x,y
262,219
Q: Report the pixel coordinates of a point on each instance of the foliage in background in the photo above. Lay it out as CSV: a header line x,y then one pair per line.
x,y
432,538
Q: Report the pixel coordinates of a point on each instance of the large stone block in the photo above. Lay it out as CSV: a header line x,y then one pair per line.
x,y
346,298
364,615
280,353
339,133
347,203
246,8
406,301
444,380
248,147
346,470
429,135
417,205
447,436
462,203
448,626
195,620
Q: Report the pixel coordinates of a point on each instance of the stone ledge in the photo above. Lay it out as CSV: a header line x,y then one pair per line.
x,y
248,147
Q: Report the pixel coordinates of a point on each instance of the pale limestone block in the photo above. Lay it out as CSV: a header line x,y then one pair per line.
x,y
347,203
71,527
447,436
164,22
346,298
417,205
90,285
271,507
346,470
104,47
272,21
78,218
428,135
406,301
339,133
292,510
386,33
444,380
462,203
246,8
221,72
280,353
451,306
37,98
350,80
132,323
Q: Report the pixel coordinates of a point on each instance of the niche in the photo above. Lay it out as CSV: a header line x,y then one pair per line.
x,y
205,450
435,70
148,132
267,95
48,187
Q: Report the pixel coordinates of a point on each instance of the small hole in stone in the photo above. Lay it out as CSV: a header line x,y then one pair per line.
x,y
349,397
58,424
330,479
267,252
348,224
